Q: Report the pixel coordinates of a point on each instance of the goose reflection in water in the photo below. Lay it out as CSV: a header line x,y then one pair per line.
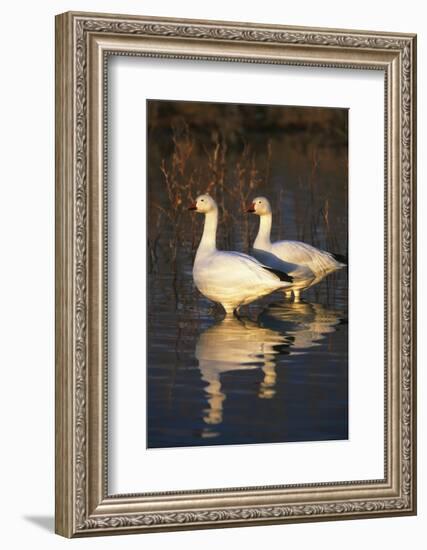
x,y
235,344
239,344
306,324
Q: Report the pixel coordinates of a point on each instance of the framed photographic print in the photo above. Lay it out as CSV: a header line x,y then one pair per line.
x,y
235,274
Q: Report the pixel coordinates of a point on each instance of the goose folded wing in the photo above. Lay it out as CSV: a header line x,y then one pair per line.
x,y
250,265
296,252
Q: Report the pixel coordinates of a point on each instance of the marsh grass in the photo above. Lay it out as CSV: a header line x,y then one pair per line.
x,y
232,179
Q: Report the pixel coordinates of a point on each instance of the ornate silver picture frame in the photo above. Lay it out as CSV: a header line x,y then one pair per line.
x,y
84,42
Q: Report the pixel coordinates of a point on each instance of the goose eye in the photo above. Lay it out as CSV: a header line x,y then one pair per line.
x,y
259,202
202,200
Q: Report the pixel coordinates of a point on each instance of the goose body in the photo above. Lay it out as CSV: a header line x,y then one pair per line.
x,y
305,263
232,279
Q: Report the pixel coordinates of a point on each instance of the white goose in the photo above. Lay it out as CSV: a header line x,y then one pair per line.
x,y
309,265
232,279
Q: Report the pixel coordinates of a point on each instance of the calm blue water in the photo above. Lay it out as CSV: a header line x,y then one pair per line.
x,y
278,374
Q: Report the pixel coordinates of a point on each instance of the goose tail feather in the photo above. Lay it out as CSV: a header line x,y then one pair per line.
x,y
340,258
281,274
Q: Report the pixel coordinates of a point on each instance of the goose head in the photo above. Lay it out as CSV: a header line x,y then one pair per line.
x,y
203,204
260,206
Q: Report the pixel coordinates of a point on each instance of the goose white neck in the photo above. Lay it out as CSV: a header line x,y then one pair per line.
x,y
262,240
208,240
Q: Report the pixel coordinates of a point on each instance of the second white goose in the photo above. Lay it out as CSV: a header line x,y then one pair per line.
x,y
232,279
309,265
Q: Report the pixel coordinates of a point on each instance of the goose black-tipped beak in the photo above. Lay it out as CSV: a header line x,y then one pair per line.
x,y
250,209
192,206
